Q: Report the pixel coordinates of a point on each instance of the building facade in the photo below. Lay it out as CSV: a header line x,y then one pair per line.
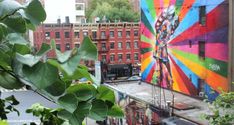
x,y
185,45
117,43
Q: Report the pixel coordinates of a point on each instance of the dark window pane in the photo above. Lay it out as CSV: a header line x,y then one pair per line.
x,y
112,45
77,34
111,34
202,15
201,45
67,34
57,34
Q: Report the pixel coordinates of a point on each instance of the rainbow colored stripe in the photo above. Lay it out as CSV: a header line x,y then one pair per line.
x,y
186,66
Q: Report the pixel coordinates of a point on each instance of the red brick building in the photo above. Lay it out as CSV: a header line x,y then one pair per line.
x,y
117,43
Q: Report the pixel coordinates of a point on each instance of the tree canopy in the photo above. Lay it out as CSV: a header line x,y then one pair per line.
x,y
112,10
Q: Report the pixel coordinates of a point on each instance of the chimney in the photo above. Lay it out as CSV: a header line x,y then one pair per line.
x,y
67,21
59,21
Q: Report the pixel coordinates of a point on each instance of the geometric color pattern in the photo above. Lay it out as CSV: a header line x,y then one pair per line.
x,y
170,37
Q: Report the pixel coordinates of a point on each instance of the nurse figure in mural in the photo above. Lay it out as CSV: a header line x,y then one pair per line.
x,y
165,27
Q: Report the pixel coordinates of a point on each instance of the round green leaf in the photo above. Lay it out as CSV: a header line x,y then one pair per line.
x,y
88,50
8,7
44,76
16,23
105,93
69,102
99,110
35,12
115,111
57,88
83,92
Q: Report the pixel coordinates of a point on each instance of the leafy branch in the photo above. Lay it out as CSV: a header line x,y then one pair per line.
x,y
52,78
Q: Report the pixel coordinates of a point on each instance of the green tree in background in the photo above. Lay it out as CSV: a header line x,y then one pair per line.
x,y
113,10
20,66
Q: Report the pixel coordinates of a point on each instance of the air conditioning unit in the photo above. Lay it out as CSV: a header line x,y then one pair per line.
x,y
201,94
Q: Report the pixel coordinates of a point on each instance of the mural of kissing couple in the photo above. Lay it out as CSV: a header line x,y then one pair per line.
x,y
184,45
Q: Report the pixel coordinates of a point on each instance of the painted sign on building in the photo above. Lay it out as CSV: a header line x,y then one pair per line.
x,y
184,45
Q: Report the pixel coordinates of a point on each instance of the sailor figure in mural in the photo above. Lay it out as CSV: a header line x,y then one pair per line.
x,y
165,27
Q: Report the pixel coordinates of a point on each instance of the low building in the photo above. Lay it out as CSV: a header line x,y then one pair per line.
x,y
117,43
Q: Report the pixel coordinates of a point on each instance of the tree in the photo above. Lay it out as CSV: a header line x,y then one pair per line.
x,y
222,110
21,66
117,10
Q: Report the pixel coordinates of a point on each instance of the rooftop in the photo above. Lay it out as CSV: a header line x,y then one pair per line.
x,y
151,95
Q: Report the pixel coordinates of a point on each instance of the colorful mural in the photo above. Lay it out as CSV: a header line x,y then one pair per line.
x,y
184,45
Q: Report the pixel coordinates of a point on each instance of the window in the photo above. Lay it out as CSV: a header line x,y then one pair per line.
x,y
202,15
79,7
58,47
127,33
120,57
135,33
135,44
103,34
112,34
128,45
67,34
77,34
112,58
119,33
47,35
119,45
190,44
103,58
77,45
57,35
112,45
103,46
136,56
201,45
94,34
67,46
128,56
85,34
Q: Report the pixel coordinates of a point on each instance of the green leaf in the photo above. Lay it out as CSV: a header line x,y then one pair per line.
x,y
78,115
35,12
31,60
7,7
62,57
44,76
8,81
44,49
81,72
68,102
57,88
15,38
105,93
68,67
88,50
16,23
83,92
3,31
5,60
21,49
83,108
115,111
3,122
12,100
99,110
74,119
